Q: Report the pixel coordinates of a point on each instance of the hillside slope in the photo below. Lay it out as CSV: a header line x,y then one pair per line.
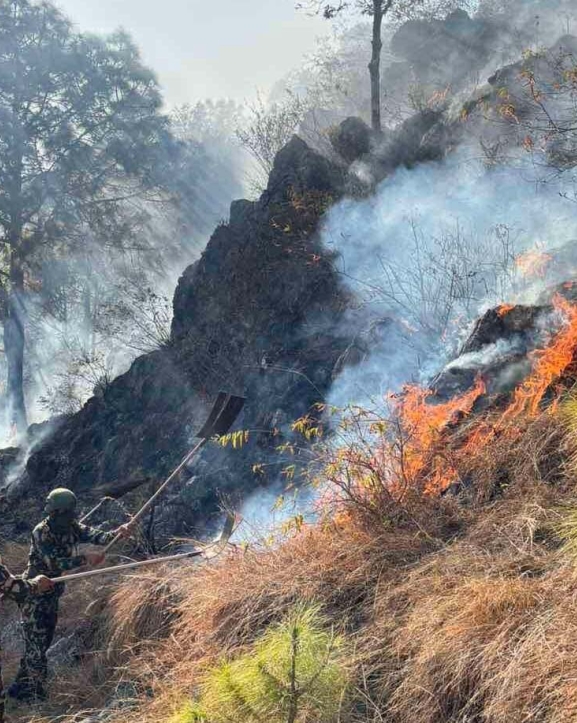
x,y
450,607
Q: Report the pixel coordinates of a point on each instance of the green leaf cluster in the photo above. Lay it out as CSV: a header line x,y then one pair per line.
x,y
292,674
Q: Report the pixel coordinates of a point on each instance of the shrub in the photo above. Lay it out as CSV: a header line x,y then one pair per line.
x,y
292,674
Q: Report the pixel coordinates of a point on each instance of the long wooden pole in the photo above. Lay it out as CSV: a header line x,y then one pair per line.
x,y
88,515
159,491
127,566
208,551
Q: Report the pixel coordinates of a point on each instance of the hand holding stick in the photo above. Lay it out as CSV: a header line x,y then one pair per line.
x,y
221,418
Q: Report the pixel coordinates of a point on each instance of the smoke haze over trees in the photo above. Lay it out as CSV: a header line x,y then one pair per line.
x,y
81,133
101,205
95,274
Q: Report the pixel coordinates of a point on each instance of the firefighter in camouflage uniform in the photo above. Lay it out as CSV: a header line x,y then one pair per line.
x,y
20,591
53,550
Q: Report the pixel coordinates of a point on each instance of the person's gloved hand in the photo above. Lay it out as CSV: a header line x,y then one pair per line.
x,y
94,558
43,583
125,531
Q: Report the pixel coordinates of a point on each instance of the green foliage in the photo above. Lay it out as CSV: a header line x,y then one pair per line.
x,y
85,108
292,674
189,713
569,414
83,154
235,439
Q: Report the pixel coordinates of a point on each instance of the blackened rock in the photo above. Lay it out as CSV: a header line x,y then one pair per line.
x,y
497,350
264,287
8,458
351,139
297,168
406,147
502,325
449,51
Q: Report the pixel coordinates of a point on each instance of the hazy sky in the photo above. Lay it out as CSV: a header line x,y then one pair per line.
x,y
203,48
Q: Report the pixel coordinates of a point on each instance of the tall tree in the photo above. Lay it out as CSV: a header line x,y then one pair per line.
x,y
379,10
80,127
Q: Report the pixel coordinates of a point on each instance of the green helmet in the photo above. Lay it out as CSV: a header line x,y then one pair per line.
x,y
61,500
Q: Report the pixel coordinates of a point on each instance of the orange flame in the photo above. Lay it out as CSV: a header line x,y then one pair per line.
x,y
422,425
504,309
549,365
425,456
533,263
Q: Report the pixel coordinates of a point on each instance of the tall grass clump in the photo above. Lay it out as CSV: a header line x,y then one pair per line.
x,y
566,530
189,713
292,674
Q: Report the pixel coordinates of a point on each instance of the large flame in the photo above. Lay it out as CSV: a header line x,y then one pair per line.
x,y
549,364
533,263
423,445
425,460
422,426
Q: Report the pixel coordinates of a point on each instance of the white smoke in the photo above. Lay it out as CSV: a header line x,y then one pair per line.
x,y
488,355
268,514
427,230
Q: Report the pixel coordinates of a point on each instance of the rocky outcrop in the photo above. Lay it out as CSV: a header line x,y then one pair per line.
x,y
451,50
351,139
500,345
256,315
497,350
259,315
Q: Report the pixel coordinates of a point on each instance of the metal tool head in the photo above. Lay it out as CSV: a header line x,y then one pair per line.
x,y
232,519
223,414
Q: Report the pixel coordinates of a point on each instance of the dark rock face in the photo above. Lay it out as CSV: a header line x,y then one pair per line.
x,y
259,315
501,324
498,350
351,139
8,458
255,315
501,341
410,143
500,344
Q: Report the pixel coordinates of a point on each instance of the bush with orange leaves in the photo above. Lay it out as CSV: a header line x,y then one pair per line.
x,y
388,467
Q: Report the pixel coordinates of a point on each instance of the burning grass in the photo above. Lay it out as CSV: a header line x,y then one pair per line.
x,y
451,608
504,309
433,627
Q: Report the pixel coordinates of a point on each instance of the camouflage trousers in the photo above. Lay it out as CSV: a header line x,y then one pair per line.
x,y
39,618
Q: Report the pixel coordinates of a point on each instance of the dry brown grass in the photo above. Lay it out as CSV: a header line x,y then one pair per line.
x,y
477,635
459,614
222,608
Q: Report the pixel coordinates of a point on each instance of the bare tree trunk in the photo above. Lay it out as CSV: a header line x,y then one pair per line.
x,y
14,313
375,66
14,336
380,9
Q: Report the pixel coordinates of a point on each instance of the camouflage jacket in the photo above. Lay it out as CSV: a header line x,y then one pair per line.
x,y
13,588
52,553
